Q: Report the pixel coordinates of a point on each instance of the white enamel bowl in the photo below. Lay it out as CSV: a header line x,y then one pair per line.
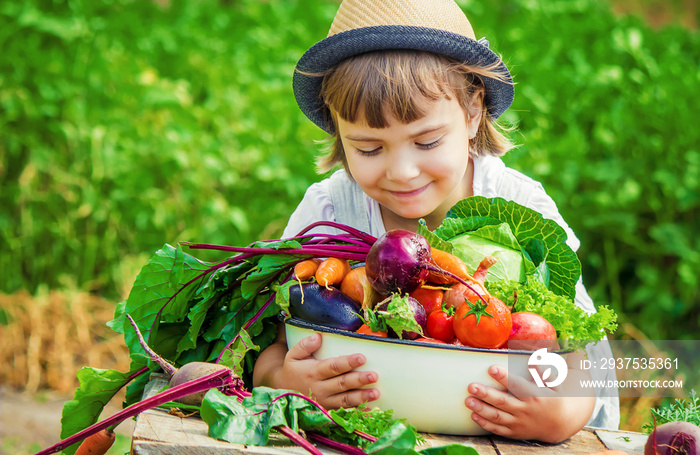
x,y
424,383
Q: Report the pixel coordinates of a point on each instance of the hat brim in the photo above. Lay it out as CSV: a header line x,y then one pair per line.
x,y
332,50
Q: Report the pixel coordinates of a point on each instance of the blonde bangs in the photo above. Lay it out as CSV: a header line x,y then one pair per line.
x,y
377,86
397,83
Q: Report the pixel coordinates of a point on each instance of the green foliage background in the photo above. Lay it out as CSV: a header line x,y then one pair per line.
x,y
125,125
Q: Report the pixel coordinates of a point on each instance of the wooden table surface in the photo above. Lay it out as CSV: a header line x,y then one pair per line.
x,y
159,433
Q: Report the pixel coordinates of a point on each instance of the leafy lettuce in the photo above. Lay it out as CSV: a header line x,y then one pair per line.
x,y
571,322
527,245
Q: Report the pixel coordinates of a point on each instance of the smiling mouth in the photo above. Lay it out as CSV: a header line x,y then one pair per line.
x,y
411,193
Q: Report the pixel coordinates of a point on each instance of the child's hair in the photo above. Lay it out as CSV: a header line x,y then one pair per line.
x,y
396,82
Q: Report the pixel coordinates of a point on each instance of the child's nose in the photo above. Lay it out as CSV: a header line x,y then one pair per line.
x,y
402,169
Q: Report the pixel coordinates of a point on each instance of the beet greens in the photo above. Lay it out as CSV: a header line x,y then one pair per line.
x,y
191,310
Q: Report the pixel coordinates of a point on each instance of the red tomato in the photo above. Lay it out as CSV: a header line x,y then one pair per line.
x,y
431,299
483,326
440,325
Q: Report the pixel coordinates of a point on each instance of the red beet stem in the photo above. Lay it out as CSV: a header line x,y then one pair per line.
x,y
167,367
339,446
298,440
221,378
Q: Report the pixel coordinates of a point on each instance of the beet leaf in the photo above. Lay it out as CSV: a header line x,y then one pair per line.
x,y
252,420
96,388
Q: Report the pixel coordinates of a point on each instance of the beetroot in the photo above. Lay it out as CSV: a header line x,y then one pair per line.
x,y
673,438
397,262
186,373
191,371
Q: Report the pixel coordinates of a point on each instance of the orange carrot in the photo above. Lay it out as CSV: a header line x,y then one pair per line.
x,y
356,285
306,269
331,271
364,329
430,340
97,444
450,263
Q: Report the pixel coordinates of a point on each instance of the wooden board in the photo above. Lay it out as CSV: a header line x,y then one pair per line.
x,y
630,442
159,433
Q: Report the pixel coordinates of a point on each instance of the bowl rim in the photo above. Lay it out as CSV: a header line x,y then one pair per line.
x,y
296,322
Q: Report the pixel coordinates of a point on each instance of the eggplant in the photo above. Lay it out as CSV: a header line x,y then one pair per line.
x,y
328,307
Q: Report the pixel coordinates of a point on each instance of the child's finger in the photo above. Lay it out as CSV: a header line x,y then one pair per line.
x,y
305,347
487,413
352,398
336,366
493,397
354,380
517,386
350,382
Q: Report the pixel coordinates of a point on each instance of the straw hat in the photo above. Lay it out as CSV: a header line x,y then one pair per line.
x,y
360,26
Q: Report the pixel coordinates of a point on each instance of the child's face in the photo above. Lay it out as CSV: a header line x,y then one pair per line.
x,y
415,170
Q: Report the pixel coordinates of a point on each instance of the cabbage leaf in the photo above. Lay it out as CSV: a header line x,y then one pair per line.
x,y
529,246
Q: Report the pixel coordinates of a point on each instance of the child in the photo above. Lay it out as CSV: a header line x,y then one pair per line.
x,y
410,99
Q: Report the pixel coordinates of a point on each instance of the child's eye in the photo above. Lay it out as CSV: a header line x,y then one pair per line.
x,y
428,145
369,152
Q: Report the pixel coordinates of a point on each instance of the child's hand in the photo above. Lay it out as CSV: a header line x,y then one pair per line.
x,y
332,382
526,411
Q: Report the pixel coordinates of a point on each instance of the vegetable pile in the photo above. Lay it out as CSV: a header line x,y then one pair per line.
x,y
404,284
